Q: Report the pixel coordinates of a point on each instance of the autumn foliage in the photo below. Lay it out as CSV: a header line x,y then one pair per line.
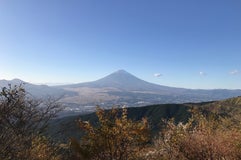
x,y
202,137
114,137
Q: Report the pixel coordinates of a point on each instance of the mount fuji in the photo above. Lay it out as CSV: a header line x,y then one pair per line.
x,y
121,88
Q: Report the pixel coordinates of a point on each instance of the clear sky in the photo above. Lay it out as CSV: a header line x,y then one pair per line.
x,y
181,43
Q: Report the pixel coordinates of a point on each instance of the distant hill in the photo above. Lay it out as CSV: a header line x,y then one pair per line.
x,y
66,127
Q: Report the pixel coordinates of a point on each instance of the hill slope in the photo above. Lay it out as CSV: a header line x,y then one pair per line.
x,y
66,127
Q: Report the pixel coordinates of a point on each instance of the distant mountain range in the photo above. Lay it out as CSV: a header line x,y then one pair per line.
x,y
38,91
121,88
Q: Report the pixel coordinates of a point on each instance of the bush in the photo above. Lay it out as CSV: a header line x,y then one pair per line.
x,y
202,137
115,137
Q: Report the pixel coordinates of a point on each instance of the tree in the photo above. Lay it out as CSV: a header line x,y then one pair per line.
x,y
43,149
22,119
115,137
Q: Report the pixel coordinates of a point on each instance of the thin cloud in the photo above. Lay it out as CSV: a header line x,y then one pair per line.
x,y
201,73
234,72
157,74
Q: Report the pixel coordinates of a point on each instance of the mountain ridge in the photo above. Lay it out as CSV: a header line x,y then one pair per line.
x,y
37,91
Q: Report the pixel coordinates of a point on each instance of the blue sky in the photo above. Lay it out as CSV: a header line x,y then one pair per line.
x,y
189,43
